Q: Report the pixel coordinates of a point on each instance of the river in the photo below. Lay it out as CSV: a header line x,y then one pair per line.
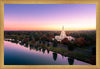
x,y
16,54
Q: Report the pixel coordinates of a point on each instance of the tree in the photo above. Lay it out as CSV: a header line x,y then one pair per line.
x,y
20,37
25,40
37,38
51,35
32,42
70,45
44,38
30,38
48,44
14,37
80,41
65,41
93,60
39,41
94,51
55,43
43,50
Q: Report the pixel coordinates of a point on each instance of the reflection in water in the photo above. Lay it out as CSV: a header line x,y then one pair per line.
x,y
43,50
21,43
48,51
26,45
71,60
14,41
31,46
40,49
54,56
37,57
62,56
36,48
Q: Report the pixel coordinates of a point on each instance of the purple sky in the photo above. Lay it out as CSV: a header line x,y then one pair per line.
x,y
49,16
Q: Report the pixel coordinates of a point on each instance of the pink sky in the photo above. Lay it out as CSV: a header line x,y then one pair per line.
x,y
49,17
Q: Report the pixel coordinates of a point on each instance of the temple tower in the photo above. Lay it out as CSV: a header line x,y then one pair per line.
x,y
63,33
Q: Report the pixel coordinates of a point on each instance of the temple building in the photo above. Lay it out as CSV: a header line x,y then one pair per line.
x,y
63,35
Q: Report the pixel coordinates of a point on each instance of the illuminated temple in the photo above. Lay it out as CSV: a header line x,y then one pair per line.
x,y
63,35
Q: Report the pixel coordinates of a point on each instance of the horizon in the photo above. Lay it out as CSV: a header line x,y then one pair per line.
x,y
49,17
49,30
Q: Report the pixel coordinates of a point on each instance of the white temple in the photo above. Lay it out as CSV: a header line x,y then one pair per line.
x,y
63,35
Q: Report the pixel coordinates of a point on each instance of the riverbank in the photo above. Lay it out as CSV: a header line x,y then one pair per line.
x,y
67,53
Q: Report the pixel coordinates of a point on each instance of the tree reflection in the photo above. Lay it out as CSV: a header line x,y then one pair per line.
x,y
43,50
36,48
26,45
54,56
39,49
62,56
14,41
48,51
71,60
21,43
31,46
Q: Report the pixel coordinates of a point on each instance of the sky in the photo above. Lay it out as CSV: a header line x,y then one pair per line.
x,y
49,17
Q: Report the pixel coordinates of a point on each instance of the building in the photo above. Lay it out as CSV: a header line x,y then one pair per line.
x,y
63,35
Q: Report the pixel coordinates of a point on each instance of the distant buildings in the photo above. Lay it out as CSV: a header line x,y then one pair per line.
x,y
63,35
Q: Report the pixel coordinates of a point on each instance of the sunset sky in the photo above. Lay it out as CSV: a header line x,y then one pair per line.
x,y
49,17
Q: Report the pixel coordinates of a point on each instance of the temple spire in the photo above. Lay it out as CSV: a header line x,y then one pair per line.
x,y
63,28
62,35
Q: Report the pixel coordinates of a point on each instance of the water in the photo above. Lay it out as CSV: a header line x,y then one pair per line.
x,y
16,54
